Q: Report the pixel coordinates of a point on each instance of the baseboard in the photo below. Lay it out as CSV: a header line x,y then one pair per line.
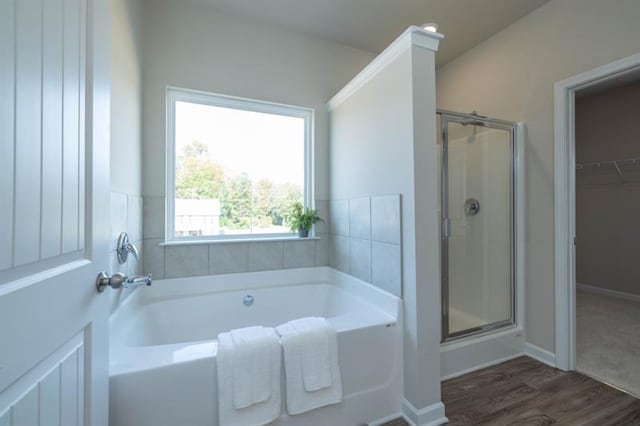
x,y
483,365
385,419
432,415
542,355
608,292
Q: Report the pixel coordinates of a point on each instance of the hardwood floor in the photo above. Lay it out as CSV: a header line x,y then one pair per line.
x,y
526,392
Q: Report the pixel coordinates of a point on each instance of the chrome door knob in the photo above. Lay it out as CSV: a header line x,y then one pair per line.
x,y
114,281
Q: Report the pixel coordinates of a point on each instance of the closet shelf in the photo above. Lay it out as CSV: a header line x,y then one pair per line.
x,y
634,184
631,161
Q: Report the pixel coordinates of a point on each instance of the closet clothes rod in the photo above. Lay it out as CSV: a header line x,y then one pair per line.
x,y
622,184
608,163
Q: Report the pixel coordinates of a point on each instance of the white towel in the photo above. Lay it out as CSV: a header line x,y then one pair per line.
x,y
251,366
248,365
301,361
315,353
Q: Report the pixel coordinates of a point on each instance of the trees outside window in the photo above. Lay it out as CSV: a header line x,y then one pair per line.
x,y
236,171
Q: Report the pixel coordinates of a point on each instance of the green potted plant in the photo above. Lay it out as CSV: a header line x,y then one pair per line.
x,y
301,219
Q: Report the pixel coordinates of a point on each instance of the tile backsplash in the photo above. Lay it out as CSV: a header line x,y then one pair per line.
x,y
365,240
359,236
126,216
197,259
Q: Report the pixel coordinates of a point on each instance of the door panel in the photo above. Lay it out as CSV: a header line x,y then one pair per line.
x,y
44,142
54,137
53,391
52,78
28,88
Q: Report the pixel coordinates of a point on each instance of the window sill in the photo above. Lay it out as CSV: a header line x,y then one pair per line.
x,y
233,240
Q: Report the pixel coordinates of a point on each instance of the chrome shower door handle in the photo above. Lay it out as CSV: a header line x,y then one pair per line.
x,y
471,207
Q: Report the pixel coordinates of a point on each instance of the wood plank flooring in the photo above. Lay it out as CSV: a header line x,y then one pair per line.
x,y
526,392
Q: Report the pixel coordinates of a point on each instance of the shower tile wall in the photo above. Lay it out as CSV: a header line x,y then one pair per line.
x,y
228,257
126,216
365,237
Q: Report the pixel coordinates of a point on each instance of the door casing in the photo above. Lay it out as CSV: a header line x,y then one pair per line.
x,y
565,199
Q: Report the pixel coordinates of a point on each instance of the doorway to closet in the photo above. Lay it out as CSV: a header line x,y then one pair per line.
x,y
607,243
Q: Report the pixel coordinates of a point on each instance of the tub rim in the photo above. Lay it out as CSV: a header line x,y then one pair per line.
x,y
126,359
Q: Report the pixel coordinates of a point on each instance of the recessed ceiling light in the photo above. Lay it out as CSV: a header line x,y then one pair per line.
x,y
431,27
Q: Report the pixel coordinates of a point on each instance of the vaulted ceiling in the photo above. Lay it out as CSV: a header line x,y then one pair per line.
x,y
373,24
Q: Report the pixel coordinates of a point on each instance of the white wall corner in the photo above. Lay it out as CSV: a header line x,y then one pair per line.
x,y
542,355
431,415
412,36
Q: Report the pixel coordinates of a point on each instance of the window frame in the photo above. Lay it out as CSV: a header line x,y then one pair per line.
x,y
175,94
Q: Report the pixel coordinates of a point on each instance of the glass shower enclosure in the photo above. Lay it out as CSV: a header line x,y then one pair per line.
x,y
477,224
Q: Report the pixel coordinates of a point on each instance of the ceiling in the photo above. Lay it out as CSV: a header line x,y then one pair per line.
x,y
373,24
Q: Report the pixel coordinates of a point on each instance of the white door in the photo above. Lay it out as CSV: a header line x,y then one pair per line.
x,y
54,183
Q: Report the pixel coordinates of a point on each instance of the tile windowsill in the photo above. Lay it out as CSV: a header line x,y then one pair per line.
x,y
233,240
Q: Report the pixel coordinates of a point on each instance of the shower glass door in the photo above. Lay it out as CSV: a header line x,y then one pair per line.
x,y
477,198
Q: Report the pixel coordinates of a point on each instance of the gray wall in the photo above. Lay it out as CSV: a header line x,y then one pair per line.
x,y
190,45
126,143
511,76
607,220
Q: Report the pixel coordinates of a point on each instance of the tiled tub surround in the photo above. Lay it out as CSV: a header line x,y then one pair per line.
x,y
126,216
365,240
225,257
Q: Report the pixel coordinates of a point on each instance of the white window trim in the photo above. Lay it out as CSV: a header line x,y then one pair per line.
x,y
175,94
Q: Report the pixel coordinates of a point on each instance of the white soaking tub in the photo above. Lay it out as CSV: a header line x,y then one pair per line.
x,y
163,347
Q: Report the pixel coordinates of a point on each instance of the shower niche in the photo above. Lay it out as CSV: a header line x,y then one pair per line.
x,y
477,199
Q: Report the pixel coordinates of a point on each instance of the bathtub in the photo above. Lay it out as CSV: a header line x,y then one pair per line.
x,y
163,348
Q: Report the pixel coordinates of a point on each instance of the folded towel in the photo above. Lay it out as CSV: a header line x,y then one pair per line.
x,y
248,370
251,366
315,353
293,336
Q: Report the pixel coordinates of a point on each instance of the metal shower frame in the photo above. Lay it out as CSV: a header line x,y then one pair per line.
x,y
475,120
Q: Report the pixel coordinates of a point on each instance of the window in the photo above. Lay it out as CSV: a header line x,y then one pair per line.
x,y
235,166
